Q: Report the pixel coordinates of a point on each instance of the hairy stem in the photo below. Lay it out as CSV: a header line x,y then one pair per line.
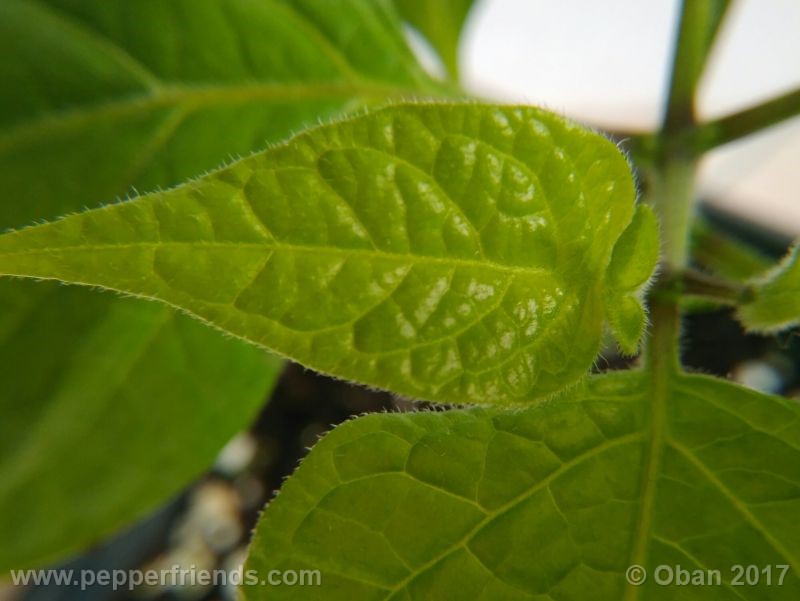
x,y
671,194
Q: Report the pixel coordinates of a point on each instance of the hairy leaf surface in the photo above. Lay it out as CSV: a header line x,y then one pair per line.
x,y
632,264
553,502
448,252
101,97
775,304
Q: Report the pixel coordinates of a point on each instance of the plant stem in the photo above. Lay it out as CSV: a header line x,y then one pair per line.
x,y
746,122
673,168
671,195
697,29
664,356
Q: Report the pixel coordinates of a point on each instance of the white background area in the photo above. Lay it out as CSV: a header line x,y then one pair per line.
x,y
605,63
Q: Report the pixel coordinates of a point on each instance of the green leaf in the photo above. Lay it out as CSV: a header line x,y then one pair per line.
x,y
774,304
440,23
636,253
632,265
101,97
447,252
552,502
628,319
122,409
110,94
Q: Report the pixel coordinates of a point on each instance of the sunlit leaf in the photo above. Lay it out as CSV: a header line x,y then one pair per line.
x,y
447,252
110,406
553,502
632,265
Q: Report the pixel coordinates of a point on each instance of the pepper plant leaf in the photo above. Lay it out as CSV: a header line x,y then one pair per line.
x,y
552,502
632,266
101,97
148,94
451,252
127,404
774,302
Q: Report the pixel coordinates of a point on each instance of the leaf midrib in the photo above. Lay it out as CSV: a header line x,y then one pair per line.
x,y
159,94
662,370
148,77
270,246
198,97
665,379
